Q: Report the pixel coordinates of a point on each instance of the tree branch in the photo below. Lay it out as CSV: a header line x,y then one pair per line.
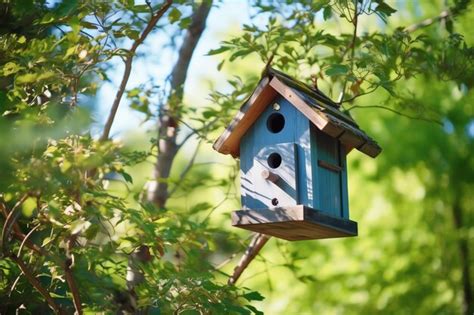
x,y
355,22
396,112
67,266
463,247
36,284
444,14
25,239
258,241
128,67
10,221
71,282
168,118
361,94
167,133
186,170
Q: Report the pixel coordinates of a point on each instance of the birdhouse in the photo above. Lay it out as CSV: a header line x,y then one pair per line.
x,y
292,142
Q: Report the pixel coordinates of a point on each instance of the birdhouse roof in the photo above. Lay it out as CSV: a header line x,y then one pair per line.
x,y
312,103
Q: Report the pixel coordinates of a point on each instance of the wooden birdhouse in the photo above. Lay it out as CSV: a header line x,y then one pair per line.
x,y
292,142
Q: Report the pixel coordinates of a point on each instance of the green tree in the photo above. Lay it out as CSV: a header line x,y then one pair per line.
x,y
68,242
416,256
72,240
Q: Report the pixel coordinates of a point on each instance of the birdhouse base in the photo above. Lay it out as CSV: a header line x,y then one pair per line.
x,y
294,223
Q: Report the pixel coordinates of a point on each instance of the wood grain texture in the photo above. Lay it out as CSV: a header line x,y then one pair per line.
x,y
325,117
329,181
229,141
255,148
330,166
294,223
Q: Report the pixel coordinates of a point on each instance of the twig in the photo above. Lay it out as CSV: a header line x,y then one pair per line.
x,y
444,14
258,241
168,119
226,261
186,169
229,259
360,94
195,131
26,239
128,67
168,130
36,284
40,251
67,266
396,112
355,21
71,282
10,221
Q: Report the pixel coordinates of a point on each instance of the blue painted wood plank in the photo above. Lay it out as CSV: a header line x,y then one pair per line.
x,y
329,181
344,184
309,184
262,136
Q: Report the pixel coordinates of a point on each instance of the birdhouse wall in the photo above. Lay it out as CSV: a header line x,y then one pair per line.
x,y
329,174
284,152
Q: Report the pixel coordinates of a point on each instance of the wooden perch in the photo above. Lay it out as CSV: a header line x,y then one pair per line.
x,y
268,175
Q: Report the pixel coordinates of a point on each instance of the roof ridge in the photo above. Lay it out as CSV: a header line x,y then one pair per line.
x,y
324,101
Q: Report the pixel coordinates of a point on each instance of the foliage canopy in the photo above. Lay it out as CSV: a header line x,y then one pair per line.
x,y
76,224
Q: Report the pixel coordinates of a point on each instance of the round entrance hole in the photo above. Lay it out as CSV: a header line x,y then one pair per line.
x,y
275,122
274,160
275,202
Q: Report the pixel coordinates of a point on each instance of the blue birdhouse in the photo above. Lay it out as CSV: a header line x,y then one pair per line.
x,y
292,142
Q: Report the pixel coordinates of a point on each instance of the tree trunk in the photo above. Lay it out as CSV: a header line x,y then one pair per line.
x,y
463,247
169,113
168,119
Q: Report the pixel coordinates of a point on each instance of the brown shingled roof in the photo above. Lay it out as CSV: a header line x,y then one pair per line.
x,y
312,103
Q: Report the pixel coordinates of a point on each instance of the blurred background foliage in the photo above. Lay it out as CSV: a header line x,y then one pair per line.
x,y
81,203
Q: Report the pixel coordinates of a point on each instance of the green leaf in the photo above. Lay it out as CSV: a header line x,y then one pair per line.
x,y
47,18
26,78
240,53
209,114
46,241
384,8
33,77
92,231
219,50
253,296
28,206
220,65
133,34
184,23
65,166
336,69
327,13
143,8
200,207
254,310
70,51
133,92
174,15
238,309
79,225
127,177
10,68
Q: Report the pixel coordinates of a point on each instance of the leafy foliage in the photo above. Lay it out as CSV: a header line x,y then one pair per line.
x,y
67,229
